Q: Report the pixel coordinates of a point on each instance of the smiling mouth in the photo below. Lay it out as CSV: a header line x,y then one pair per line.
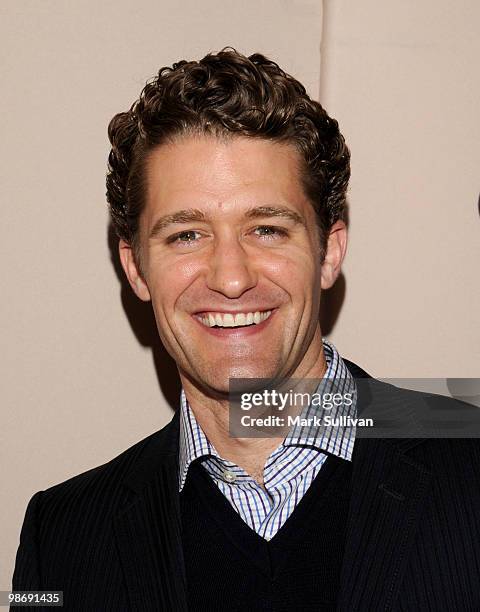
x,y
241,319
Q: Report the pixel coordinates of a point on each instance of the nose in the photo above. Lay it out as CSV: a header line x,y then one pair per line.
x,y
230,268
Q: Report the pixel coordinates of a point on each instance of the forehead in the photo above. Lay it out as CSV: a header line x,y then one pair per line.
x,y
204,170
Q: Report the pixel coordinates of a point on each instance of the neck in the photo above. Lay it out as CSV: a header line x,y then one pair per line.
x,y
211,414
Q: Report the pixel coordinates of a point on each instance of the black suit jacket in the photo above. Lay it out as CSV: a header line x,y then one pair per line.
x,y
110,538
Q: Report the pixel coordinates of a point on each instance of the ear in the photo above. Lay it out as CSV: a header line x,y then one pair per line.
x,y
132,272
336,248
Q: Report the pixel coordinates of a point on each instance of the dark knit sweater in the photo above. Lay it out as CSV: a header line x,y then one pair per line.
x,y
230,567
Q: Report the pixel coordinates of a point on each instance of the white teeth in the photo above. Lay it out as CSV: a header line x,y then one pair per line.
x,y
229,320
240,319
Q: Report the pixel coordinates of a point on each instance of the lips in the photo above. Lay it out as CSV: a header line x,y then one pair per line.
x,y
239,319
228,328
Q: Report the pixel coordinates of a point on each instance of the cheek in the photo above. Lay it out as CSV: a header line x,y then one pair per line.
x,y
169,281
298,271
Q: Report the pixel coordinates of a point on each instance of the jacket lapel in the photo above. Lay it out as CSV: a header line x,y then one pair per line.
x,y
148,528
388,492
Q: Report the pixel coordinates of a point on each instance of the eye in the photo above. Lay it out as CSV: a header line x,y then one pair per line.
x,y
186,237
271,232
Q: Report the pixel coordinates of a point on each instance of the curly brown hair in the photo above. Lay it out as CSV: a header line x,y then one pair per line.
x,y
225,94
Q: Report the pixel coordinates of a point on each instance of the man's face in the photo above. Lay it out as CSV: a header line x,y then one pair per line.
x,y
227,231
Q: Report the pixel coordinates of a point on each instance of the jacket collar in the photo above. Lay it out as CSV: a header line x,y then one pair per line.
x,y
161,449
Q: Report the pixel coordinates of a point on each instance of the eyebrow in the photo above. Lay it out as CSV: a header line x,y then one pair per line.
x,y
189,215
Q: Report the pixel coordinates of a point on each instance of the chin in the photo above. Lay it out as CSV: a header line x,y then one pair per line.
x,y
222,383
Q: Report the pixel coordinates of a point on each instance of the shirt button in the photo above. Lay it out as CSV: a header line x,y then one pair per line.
x,y
229,476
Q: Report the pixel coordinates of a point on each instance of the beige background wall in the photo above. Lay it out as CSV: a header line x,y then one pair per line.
x,y
401,77
82,377
79,376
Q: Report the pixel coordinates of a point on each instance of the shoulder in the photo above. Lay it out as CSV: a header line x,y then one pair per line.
x,y
75,519
101,486
420,423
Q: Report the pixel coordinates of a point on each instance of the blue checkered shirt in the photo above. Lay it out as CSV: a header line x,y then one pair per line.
x,y
291,467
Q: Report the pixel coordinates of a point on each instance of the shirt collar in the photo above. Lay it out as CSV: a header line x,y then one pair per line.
x,y
337,440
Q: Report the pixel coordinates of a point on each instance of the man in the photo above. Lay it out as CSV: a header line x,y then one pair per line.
x,y
227,190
